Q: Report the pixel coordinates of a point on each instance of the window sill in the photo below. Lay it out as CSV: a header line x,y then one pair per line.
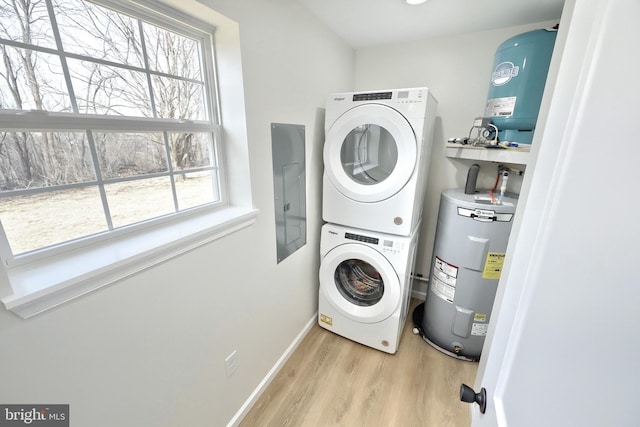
x,y
47,283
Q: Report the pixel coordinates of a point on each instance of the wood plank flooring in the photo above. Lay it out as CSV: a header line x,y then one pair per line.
x,y
332,381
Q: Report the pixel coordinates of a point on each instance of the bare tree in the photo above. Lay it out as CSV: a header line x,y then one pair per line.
x,y
30,79
127,90
22,63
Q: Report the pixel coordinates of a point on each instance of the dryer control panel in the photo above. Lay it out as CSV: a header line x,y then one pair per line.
x,y
400,95
372,96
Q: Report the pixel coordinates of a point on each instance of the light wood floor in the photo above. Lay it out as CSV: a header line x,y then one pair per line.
x,y
332,381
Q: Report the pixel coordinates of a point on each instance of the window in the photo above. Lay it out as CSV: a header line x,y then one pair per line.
x,y
109,131
63,178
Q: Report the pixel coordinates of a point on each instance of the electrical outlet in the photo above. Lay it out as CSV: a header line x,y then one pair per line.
x,y
230,363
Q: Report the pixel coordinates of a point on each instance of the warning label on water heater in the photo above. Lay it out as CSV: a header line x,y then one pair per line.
x,y
444,280
493,265
479,329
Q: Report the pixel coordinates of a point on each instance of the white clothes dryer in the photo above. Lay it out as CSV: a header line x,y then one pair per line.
x,y
365,284
376,158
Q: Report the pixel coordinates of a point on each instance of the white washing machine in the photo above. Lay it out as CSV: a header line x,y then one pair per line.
x,y
376,158
365,284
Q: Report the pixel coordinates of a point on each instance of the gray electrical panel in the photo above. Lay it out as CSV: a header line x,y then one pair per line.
x,y
289,187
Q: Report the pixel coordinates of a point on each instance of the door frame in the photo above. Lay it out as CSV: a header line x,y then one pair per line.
x,y
567,96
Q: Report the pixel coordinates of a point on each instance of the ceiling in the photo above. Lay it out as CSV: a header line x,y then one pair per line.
x,y
365,23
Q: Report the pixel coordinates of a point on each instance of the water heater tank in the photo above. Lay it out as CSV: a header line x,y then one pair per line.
x,y
520,68
468,253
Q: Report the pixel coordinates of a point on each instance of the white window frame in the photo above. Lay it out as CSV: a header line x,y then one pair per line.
x,y
42,279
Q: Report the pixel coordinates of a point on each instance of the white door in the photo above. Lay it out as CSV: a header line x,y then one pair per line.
x,y
360,283
564,343
370,153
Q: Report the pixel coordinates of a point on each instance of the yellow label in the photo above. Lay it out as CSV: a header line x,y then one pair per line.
x,y
326,319
493,265
480,317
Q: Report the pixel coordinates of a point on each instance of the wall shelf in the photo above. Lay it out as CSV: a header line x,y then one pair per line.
x,y
519,155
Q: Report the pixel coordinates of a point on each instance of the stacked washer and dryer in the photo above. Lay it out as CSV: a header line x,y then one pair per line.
x,y
376,158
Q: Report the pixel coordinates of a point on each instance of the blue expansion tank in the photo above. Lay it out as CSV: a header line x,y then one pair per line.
x,y
520,68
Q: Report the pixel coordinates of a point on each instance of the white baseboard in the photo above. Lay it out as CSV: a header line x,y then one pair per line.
x,y
244,409
420,295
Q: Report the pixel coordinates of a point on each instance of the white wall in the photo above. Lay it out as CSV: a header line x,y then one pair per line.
x,y
149,351
556,268
457,70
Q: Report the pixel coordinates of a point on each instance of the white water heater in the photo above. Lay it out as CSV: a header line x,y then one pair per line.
x,y
468,254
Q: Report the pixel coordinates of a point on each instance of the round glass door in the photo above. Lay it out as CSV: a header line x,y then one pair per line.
x,y
369,154
359,282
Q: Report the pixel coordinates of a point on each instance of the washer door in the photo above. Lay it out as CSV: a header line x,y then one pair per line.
x,y
360,283
370,153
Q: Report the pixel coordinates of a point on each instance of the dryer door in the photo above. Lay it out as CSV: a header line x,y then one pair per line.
x,y
360,283
370,153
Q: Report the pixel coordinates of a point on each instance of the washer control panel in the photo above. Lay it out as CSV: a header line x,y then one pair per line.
x,y
391,246
388,246
360,238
